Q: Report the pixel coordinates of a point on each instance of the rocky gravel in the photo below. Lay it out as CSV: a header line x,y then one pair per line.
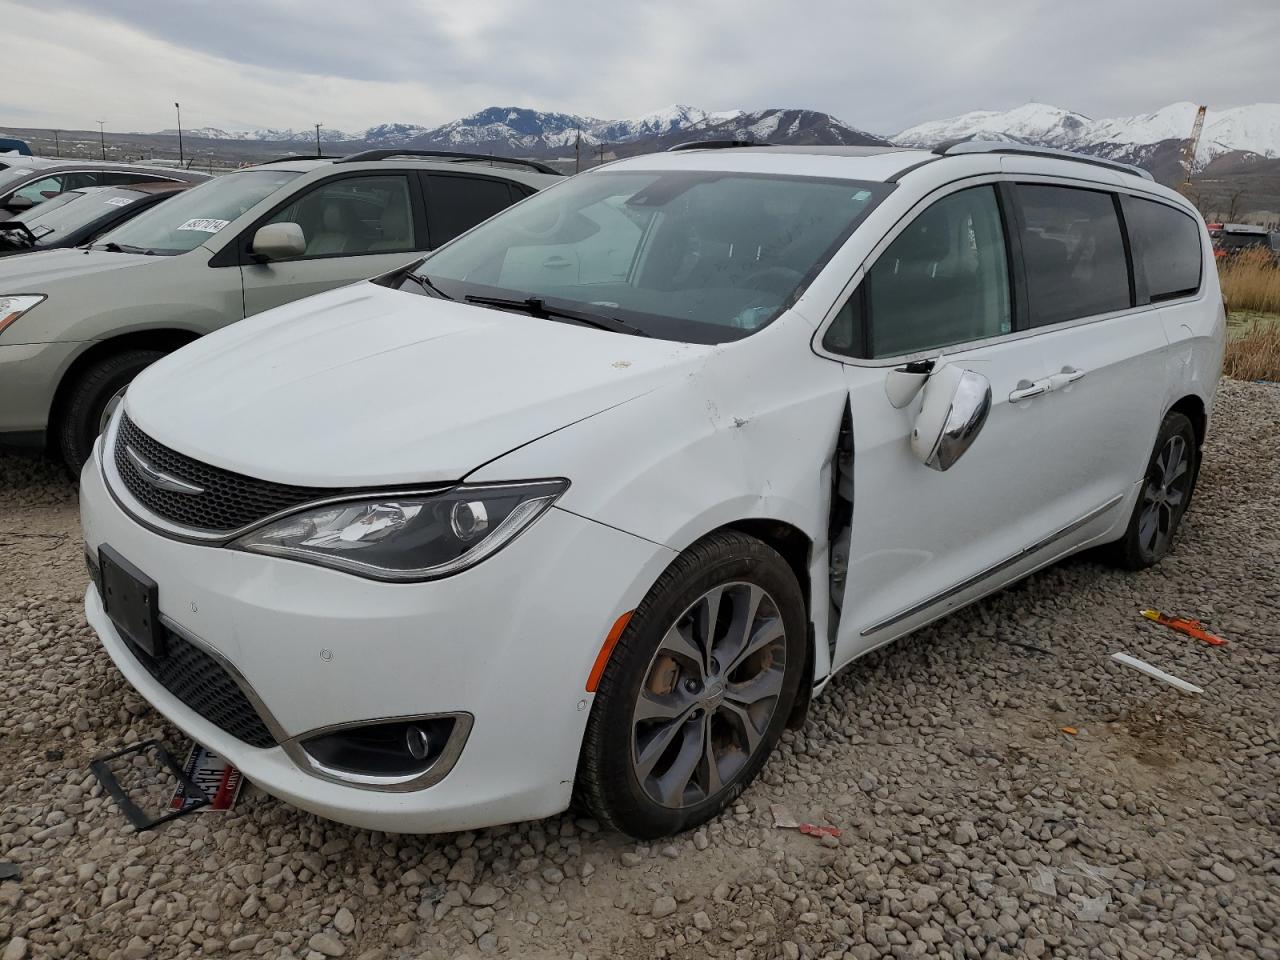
x,y
972,824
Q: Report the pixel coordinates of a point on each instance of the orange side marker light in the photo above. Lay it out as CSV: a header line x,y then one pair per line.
x,y
606,650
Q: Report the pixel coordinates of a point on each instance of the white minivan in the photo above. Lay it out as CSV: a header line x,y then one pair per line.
x,y
592,500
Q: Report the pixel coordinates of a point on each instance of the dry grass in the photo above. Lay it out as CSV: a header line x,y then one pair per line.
x,y
1251,281
1255,353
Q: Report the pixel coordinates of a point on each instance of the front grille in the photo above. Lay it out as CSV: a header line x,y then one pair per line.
x,y
200,682
229,501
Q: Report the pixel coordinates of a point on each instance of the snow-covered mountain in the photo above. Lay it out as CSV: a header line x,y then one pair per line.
x,y
521,131
1254,129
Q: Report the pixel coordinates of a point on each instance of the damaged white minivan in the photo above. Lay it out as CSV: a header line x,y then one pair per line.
x,y
592,500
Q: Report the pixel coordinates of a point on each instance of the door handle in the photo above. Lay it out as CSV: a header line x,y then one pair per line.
x,y
1025,390
1069,375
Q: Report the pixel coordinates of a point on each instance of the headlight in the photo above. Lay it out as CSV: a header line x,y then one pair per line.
x,y
14,306
414,537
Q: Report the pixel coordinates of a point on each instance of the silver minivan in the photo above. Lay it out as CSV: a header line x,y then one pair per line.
x,y
76,326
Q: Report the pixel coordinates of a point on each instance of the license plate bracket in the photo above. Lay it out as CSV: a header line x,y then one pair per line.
x,y
132,602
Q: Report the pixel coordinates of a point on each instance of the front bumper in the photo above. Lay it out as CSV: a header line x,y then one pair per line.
x,y
509,643
29,376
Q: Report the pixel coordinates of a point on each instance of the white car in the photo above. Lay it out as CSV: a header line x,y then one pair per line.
x,y
593,499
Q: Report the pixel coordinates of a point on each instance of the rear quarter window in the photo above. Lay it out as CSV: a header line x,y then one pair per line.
x,y
1166,248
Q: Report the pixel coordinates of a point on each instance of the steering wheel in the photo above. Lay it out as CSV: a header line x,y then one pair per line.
x,y
562,214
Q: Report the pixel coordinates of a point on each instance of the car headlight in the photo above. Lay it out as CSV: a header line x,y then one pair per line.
x,y
412,537
12,306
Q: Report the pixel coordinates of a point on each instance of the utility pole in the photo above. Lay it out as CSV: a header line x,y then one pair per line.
x,y
102,140
181,157
577,152
57,146
600,150
318,139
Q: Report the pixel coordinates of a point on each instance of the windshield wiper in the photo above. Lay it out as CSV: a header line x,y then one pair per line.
x,y
537,307
426,284
112,247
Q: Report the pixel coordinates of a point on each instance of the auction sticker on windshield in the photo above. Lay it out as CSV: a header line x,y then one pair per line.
x,y
118,201
204,225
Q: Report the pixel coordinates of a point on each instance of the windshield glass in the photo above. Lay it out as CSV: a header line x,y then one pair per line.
x,y
74,209
701,257
188,220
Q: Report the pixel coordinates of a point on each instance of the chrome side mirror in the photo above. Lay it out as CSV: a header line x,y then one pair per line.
x,y
279,241
956,405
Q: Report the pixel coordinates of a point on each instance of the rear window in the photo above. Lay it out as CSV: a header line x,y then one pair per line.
x,y
1166,248
1074,253
455,204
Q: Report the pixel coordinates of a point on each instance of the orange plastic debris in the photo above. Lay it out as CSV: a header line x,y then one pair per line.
x,y
1192,628
1071,730
814,830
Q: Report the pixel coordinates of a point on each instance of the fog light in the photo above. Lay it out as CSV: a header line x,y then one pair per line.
x,y
418,743
393,748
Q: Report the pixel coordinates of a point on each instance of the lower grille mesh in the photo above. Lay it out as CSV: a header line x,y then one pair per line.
x,y
200,682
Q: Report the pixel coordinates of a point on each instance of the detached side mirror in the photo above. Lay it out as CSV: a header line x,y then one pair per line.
x,y
17,204
279,241
956,405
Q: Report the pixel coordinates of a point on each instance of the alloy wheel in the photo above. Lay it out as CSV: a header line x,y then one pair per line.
x,y
1163,495
709,694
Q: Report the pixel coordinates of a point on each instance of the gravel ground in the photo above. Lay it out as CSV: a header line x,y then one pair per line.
x,y
972,825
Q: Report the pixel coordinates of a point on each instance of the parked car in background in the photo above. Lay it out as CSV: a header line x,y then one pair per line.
x,y
77,326
15,146
1233,238
80,216
592,500
27,181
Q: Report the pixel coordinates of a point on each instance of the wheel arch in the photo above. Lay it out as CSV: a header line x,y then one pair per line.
x,y
1193,408
167,339
796,548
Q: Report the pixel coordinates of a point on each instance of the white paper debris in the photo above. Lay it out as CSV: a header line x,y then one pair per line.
x,y
1156,672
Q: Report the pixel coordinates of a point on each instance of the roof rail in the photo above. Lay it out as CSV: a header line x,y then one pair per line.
x,y
292,157
715,145
388,152
952,148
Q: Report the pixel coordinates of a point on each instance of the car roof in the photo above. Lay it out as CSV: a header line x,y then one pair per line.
x,y
495,166
51,165
874,163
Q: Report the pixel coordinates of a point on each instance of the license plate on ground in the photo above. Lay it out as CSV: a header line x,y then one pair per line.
x,y
131,599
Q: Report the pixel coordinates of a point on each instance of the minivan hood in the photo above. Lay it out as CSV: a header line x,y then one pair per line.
x,y
368,386
34,274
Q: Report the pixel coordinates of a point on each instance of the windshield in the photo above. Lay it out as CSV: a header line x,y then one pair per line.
x,y
74,209
701,257
188,220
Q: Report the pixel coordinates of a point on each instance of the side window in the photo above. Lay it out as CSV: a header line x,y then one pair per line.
x,y
123,178
944,280
1166,247
1074,253
353,216
78,181
39,191
455,204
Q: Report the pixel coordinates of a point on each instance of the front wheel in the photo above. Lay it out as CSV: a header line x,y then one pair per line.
x,y
1164,498
697,690
92,399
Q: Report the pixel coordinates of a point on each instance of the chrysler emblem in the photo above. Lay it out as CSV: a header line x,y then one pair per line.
x,y
158,478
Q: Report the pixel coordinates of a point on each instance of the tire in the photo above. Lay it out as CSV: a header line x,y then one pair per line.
x,y
88,398
1164,498
626,769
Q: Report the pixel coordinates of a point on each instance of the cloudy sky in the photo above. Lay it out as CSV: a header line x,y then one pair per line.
x,y
880,65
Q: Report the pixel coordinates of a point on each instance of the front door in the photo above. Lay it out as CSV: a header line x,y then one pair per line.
x,y
923,541
355,227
